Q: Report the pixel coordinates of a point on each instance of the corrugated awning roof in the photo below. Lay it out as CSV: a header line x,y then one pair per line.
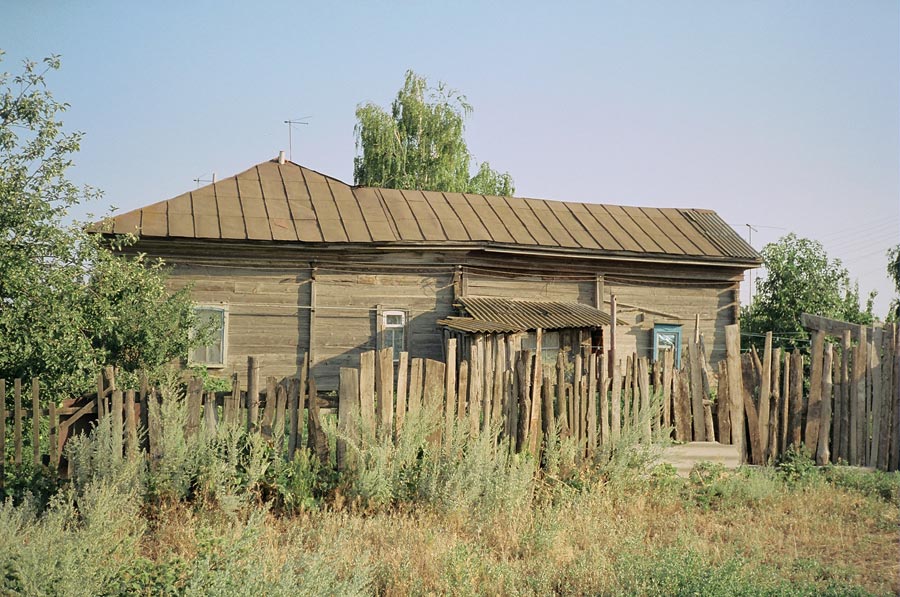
x,y
497,315
290,203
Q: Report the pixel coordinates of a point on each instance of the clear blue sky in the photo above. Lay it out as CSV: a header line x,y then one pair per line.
x,y
785,115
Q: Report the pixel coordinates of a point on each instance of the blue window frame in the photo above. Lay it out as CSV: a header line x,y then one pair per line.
x,y
667,337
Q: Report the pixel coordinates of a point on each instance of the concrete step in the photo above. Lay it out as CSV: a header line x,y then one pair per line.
x,y
684,456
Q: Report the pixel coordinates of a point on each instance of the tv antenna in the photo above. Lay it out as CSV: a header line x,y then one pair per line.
x,y
751,228
291,124
202,179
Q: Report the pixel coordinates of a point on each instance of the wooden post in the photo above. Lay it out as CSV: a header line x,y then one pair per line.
x,y
53,442
875,345
523,373
628,390
615,403
17,421
117,425
814,406
644,383
823,452
450,404
232,407
433,396
384,391
402,391
210,414
750,383
145,411
194,404
846,355
682,406
268,417
281,395
858,378
316,441
462,394
786,403
723,405
577,414
348,405
613,361
486,371
668,365
894,461
860,368
836,414
561,405
252,394
36,421
367,393
497,409
887,385
2,433
735,386
797,398
604,400
534,427
131,434
774,429
154,430
537,380
476,381
698,425
765,395
295,413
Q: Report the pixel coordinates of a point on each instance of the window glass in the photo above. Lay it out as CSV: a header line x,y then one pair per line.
x,y
667,337
211,321
394,332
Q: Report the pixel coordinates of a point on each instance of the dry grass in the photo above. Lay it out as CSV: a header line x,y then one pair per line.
x,y
813,536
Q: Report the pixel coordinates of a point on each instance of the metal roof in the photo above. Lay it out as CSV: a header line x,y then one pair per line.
x,y
495,315
290,203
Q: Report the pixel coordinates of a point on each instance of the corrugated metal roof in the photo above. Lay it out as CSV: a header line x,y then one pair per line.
x,y
506,315
290,203
476,326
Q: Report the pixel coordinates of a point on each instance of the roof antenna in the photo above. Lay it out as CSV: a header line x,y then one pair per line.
x,y
202,179
291,124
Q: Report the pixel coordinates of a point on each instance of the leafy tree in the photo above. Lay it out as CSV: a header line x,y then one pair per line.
x,y
69,301
420,144
893,269
801,278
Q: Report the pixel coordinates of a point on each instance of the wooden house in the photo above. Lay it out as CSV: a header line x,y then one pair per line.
x,y
291,261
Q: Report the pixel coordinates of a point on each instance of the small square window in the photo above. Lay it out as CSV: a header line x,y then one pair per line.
x,y
667,337
213,321
394,331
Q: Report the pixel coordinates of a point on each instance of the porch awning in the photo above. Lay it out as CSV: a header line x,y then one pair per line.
x,y
499,315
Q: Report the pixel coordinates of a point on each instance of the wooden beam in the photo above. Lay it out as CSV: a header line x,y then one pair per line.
x,y
735,386
832,327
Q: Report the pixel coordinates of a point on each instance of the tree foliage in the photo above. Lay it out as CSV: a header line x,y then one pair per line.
x,y
800,278
69,302
420,144
893,270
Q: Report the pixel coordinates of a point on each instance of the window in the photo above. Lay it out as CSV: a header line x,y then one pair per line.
x,y
667,337
393,326
211,321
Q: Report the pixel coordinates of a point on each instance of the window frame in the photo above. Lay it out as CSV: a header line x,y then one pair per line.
x,y
668,328
223,309
383,315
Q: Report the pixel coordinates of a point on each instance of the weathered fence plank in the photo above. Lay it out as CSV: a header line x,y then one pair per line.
x,y
252,394
644,386
268,418
402,392
823,450
316,441
450,385
36,421
765,396
735,389
433,397
366,392
697,419
814,405
384,391
723,405
348,411
131,433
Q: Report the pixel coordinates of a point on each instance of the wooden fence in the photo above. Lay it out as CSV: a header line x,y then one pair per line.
x,y
842,401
